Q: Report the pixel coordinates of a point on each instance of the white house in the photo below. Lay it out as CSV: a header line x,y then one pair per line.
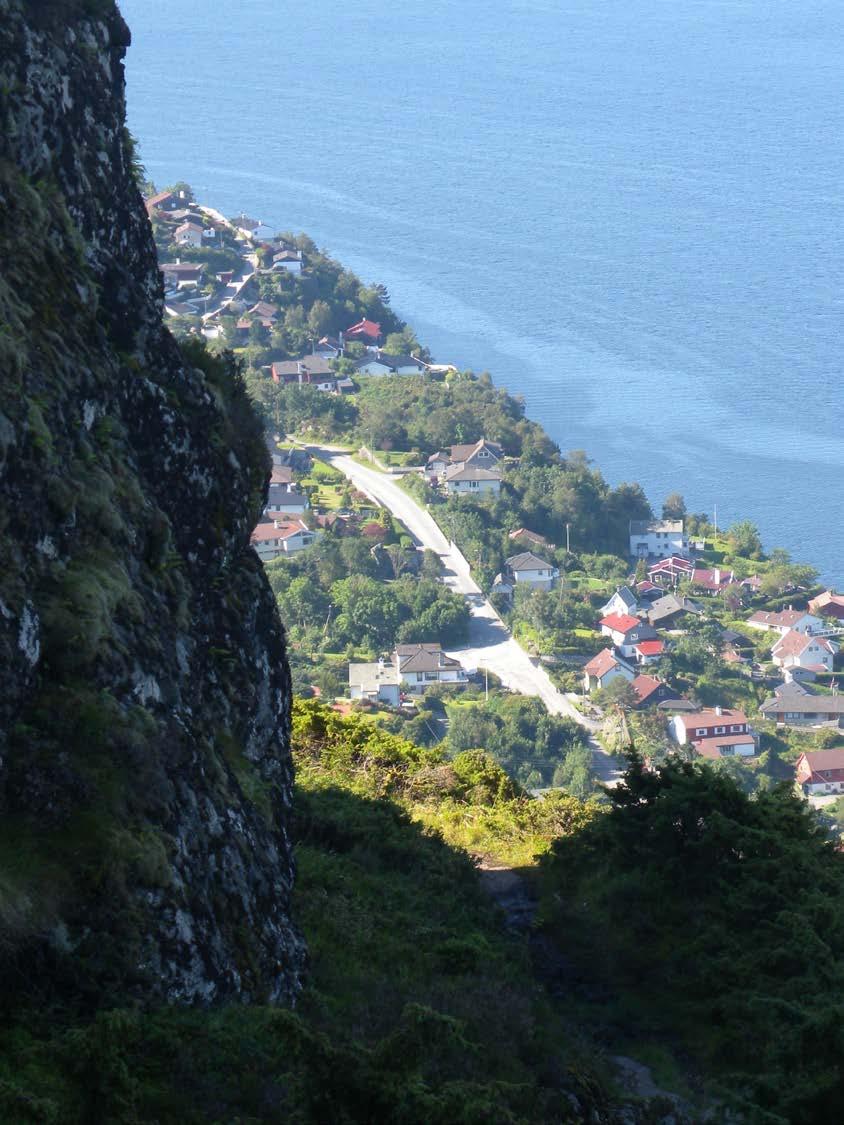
x,y
284,501
380,363
821,771
418,666
658,539
287,537
603,669
714,732
376,682
481,454
626,632
798,650
623,602
188,234
800,620
527,569
460,479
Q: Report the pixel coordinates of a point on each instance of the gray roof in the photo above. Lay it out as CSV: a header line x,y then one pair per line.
x,y
372,676
279,494
643,527
424,658
470,472
802,700
670,604
527,561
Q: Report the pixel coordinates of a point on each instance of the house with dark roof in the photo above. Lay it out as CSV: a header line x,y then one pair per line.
x,y
529,569
798,705
666,611
181,273
623,602
602,669
821,771
288,261
284,501
421,665
311,370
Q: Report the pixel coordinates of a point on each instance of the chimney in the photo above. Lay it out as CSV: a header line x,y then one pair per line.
x,y
275,524
719,711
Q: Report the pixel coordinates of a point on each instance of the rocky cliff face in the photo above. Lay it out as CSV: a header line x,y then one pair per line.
x,y
145,774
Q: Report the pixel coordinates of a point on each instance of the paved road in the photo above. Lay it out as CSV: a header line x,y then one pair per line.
x,y
491,645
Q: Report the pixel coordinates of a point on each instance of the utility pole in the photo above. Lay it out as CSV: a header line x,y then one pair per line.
x,y
568,542
716,521
486,685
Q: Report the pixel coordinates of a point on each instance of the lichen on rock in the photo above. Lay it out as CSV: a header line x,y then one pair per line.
x,y
145,771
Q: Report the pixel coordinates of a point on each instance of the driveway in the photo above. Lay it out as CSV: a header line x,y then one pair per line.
x,y
491,645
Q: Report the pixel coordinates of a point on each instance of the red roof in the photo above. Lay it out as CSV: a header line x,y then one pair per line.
x,y
650,648
709,717
364,328
278,529
620,622
599,665
711,747
645,686
675,562
821,765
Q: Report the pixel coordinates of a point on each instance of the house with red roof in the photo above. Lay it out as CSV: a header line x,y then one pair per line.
x,y
650,691
670,571
648,652
188,234
281,537
712,580
821,771
828,604
799,650
714,732
365,331
164,201
626,631
603,669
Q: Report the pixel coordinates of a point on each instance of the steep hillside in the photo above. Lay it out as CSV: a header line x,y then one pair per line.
x,y
145,774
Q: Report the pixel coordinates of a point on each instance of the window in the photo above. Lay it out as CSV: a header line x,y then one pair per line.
x,y
737,730
720,730
701,731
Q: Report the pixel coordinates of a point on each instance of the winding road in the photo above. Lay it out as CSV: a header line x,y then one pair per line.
x,y
491,645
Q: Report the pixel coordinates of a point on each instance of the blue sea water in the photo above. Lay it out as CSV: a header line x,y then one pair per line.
x,y
629,211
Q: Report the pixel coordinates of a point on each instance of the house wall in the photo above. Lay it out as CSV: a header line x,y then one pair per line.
x,y
660,545
474,486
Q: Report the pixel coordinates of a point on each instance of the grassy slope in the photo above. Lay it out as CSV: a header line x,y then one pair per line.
x,y
418,1007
